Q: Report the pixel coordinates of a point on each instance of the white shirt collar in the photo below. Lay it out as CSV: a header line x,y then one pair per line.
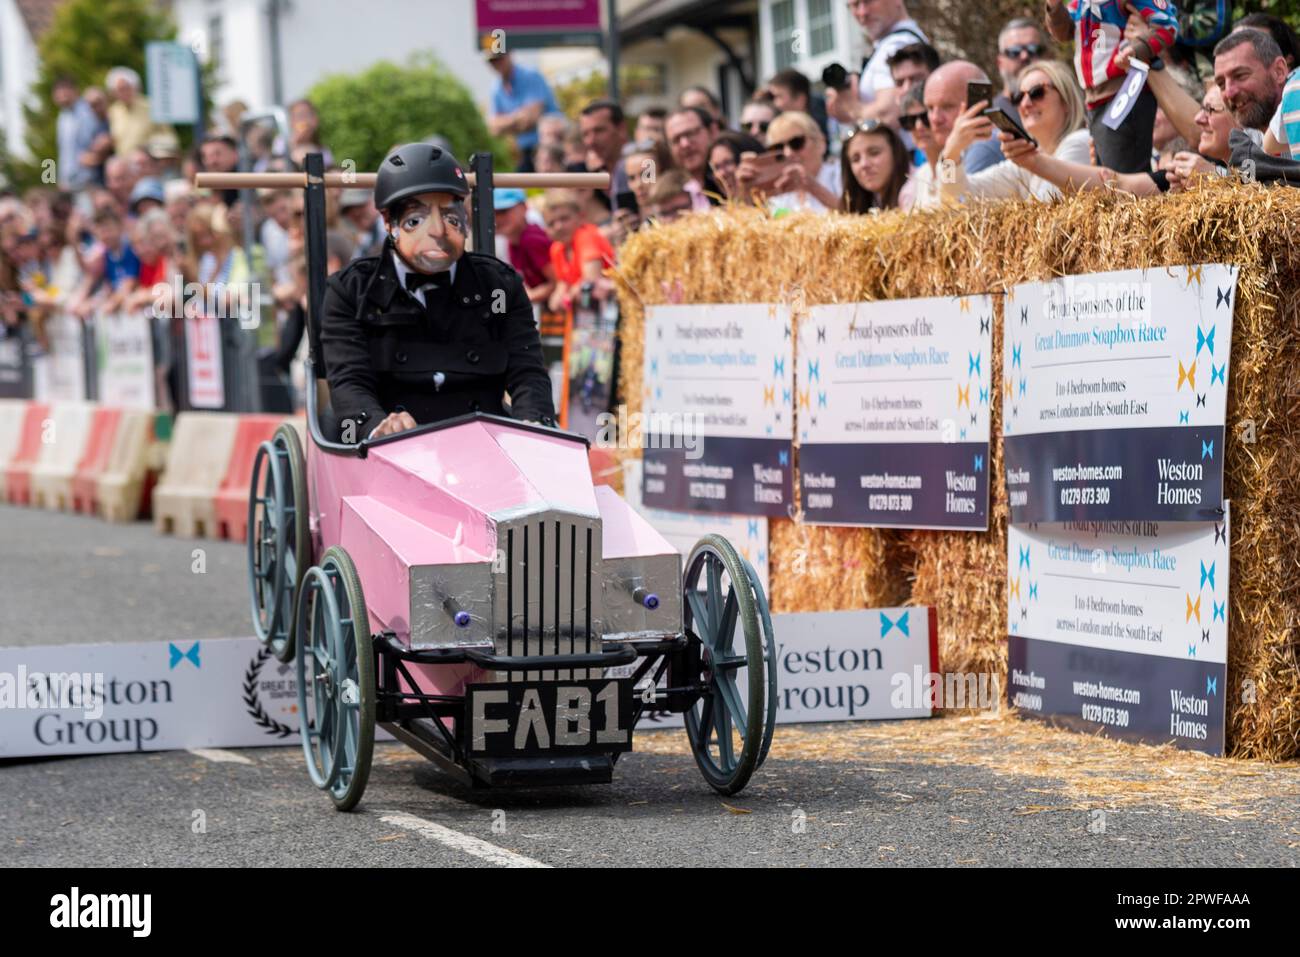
x,y
402,270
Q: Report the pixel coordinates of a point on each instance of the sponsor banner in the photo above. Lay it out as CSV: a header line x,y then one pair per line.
x,y
203,366
1177,472
1129,696
866,665
683,530
1121,627
895,403
144,696
719,408
60,374
736,476
126,369
1115,389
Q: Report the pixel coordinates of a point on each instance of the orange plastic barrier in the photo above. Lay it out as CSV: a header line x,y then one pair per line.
x,y
12,414
85,481
18,470
230,504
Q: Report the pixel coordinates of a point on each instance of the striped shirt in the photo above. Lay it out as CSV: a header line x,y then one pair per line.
x,y
1285,126
1099,33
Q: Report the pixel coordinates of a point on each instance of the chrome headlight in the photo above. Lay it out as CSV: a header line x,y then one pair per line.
x,y
451,605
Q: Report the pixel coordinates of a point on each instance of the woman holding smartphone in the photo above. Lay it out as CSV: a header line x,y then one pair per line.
x,y
801,180
1051,111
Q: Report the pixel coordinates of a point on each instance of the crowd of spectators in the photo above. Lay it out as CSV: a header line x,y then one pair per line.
x,y
907,131
911,131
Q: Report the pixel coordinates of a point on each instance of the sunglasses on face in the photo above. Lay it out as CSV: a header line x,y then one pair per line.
x,y
792,145
1034,94
1023,50
910,121
757,126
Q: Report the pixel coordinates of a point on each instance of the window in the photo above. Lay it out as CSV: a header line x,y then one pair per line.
x,y
821,27
215,40
783,34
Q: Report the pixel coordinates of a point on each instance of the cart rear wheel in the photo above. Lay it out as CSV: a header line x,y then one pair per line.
x,y
726,726
277,538
336,679
769,657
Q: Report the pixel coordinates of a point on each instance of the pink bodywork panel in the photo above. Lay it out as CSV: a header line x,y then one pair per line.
x,y
429,499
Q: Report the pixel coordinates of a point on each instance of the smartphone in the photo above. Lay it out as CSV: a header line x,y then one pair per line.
x,y
1008,123
976,91
770,166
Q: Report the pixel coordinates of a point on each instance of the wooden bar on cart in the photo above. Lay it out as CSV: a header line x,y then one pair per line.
x,y
367,180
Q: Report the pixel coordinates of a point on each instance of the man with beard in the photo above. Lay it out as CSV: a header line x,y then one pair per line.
x,y
427,331
1250,70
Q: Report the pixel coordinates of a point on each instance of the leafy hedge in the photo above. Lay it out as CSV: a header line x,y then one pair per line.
x,y
365,114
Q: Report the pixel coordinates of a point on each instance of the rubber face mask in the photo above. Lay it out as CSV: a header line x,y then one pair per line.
x,y
430,236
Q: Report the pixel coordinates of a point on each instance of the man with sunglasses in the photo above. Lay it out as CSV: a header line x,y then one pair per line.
x,y
1020,43
757,116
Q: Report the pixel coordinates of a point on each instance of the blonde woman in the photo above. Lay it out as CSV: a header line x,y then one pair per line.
x,y
1051,111
807,181
212,258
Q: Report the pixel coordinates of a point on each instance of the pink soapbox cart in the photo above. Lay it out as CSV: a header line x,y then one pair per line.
x,y
466,587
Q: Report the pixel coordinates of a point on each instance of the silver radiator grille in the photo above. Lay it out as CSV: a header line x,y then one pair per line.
x,y
548,590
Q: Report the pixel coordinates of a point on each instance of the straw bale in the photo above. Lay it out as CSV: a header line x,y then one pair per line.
x,y
742,255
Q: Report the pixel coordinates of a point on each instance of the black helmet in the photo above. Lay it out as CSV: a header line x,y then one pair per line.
x,y
418,168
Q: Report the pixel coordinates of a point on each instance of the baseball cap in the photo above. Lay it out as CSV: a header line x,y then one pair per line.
x,y
507,198
147,188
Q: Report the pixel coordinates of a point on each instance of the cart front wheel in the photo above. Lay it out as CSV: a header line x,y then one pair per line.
x,y
336,679
728,725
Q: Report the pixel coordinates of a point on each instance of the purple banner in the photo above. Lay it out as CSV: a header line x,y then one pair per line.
x,y
538,15
726,475
896,485
1119,694
1172,474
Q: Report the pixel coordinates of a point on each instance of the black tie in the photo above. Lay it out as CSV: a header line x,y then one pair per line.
x,y
416,281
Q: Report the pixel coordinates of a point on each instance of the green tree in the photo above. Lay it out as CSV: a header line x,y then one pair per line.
x,y
85,40
1288,10
365,114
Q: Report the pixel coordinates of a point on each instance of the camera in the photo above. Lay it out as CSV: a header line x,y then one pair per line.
x,y
835,77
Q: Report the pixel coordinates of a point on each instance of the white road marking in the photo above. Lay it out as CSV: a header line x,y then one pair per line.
x,y
220,755
459,841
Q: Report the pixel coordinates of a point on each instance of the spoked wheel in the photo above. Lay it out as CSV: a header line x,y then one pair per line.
x,y
727,727
769,657
336,678
277,538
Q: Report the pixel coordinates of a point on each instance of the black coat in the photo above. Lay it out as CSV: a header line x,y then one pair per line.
x,y
382,349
